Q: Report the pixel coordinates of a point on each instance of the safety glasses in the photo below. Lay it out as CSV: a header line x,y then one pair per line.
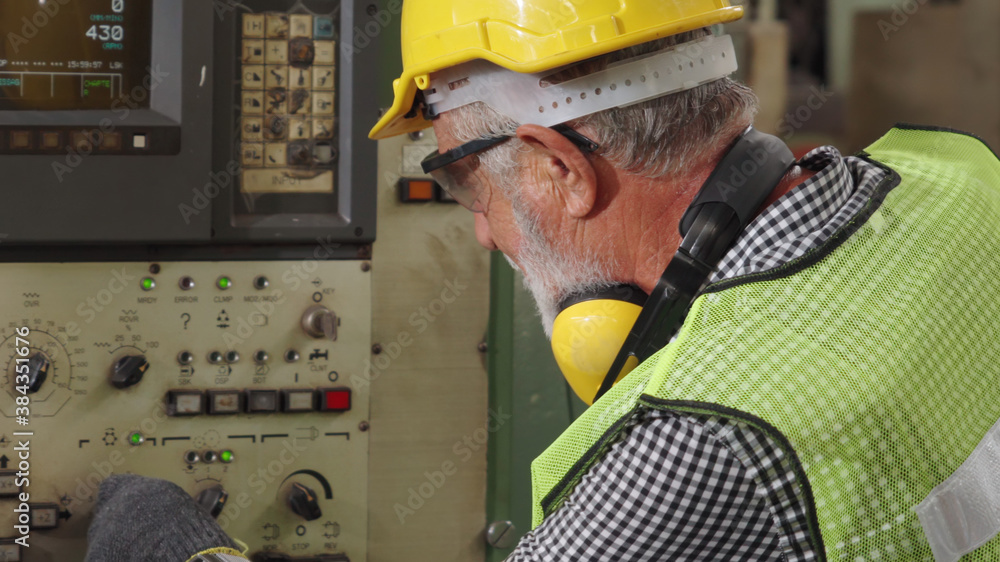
x,y
459,175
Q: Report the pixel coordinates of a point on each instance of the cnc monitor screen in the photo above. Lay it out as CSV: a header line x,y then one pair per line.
x,y
74,54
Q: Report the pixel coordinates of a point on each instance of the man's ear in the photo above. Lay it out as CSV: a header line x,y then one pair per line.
x,y
572,174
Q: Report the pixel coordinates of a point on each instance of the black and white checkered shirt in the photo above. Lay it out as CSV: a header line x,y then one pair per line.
x,y
686,487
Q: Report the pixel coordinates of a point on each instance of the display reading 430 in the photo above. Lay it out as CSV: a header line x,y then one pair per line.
x,y
109,32
106,32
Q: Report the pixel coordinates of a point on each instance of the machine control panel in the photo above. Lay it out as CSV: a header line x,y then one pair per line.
x,y
287,109
236,380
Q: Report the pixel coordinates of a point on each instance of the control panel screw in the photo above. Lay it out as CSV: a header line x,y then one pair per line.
x,y
366,266
501,534
363,426
377,348
371,9
482,347
154,268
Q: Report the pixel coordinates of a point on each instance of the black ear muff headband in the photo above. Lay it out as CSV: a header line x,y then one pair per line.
x,y
723,208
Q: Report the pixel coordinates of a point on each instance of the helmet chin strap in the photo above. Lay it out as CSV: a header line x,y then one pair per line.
x,y
725,205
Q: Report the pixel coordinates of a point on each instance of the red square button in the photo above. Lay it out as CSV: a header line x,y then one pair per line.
x,y
336,399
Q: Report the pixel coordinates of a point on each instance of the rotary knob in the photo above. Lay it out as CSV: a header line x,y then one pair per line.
x,y
320,322
38,371
304,502
128,371
213,499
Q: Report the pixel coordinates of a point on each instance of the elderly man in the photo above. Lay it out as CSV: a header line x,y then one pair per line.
x,y
826,387
787,360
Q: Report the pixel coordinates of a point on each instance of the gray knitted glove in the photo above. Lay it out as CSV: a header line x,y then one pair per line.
x,y
140,519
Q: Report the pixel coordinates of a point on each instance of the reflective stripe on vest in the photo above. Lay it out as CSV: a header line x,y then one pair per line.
x,y
874,360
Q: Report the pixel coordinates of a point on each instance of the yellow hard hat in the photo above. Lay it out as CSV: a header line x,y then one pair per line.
x,y
528,36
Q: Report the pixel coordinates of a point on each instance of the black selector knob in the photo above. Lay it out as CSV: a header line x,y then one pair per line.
x,y
38,371
304,502
128,371
213,499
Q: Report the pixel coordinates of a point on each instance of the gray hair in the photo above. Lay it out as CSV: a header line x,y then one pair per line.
x,y
652,139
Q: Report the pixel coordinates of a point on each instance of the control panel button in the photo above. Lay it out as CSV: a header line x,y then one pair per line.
x,y
262,401
253,77
52,141
252,155
299,153
323,77
111,141
275,128
275,76
301,25
223,402
275,154
299,128
44,515
253,25
323,129
277,26
184,403
301,51
299,77
139,141
298,400
325,52
276,52
415,190
253,51
20,140
335,399
82,142
253,128
277,180
323,28
253,103
323,103
276,101
8,484
10,551
323,153
299,102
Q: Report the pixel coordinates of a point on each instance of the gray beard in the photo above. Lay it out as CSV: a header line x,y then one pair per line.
x,y
550,275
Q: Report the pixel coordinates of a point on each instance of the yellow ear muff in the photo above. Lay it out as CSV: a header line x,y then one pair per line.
x,y
586,338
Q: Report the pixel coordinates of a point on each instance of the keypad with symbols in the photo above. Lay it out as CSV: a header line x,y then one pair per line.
x,y
287,102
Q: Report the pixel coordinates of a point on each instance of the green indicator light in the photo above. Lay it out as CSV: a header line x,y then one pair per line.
x,y
148,284
136,438
226,456
225,283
